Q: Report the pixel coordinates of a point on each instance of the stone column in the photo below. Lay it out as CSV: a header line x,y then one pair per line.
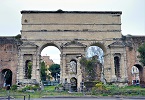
x,y
38,60
113,77
21,67
123,67
106,65
18,64
62,77
79,72
33,67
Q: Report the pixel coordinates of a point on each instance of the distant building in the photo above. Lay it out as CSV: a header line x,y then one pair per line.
x,y
48,62
135,75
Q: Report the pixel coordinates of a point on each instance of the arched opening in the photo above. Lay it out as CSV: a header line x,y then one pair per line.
x,y
95,58
7,77
117,66
73,81
137,74
28,69
95,51
50,55
52,52
73,66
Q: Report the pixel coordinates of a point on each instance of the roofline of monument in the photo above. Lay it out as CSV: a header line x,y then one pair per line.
x,y
78,12
7,36
137,36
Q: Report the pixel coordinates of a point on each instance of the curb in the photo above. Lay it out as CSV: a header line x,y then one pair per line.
x,y
126,97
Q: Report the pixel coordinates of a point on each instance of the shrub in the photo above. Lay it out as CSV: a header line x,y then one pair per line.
x,y
99,89
30,87
14,87
100,86
90,84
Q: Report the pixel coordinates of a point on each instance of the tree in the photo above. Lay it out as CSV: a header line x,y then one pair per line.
x,y
89,68
141,50
29,70
55,70
93,51
97,51
18,37
43,71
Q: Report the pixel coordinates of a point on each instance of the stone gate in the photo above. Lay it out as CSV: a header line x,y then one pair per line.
x,y
73,32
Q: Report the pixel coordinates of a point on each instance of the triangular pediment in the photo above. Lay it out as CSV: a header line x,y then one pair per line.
x,y
74,43
117,43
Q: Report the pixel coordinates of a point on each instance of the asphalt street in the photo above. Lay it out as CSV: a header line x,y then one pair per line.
x,y
82,98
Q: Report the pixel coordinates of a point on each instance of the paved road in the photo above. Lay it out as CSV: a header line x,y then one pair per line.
x,y
85,98
89,99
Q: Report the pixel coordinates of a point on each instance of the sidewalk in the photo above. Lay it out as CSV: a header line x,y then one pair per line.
x,y
97,97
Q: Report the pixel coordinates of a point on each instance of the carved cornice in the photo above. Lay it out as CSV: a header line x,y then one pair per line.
x,y
86,30
117,44
69,24
73,42
77,12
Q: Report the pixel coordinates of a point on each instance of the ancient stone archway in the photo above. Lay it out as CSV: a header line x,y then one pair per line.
x,y
133,43
140,68
72,33
6,77
73,82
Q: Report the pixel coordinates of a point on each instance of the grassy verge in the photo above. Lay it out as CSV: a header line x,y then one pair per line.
x,y
120,91
50,91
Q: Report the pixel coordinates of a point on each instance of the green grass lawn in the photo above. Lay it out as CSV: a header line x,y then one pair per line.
x,y
47,92
49,88
125,91
50,91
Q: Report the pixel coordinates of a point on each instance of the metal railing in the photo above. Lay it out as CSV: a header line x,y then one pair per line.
x,y
9,96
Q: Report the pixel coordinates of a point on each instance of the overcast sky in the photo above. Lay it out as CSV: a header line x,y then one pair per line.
x,y
133,12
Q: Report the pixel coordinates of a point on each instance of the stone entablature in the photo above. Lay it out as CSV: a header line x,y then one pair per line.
x,y
70,25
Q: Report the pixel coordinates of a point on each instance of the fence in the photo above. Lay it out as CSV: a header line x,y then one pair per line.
x,y
8,96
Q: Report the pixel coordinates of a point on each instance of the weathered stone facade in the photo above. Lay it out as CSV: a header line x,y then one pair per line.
x,y
8,58
132,45
73,33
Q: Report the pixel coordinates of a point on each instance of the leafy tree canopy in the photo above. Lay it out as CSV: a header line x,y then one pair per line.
x,y
43,71
141,50
89,70
54,69
29,70
18,37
